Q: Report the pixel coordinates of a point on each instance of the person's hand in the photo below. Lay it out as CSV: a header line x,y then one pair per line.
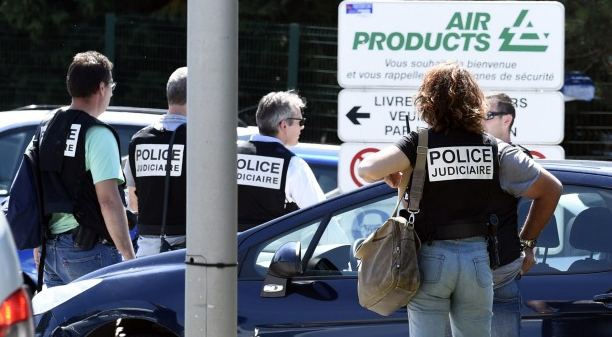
x,y
529,260
36,259
393,179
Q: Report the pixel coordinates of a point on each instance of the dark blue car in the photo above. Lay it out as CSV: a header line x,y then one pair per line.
x,y
568,293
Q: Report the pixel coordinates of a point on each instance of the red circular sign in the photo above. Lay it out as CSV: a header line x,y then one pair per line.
x,y
537,154
355,163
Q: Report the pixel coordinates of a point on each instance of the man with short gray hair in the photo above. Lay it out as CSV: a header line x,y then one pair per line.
x,y
156,194
272,180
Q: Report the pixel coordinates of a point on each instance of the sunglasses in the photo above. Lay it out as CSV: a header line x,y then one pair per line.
x,y
113,85
491,114
302,120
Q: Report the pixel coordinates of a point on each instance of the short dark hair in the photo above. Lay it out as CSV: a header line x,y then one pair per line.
x,y
86,72
505,105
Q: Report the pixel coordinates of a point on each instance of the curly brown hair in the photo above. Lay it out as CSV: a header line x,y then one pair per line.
x,y
450,98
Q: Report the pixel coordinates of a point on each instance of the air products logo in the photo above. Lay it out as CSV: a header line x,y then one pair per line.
x,y
464,31
528,39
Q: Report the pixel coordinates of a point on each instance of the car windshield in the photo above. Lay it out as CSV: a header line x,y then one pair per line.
x,y
12,147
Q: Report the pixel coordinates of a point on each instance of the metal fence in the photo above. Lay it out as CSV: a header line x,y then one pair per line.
x,y
272,57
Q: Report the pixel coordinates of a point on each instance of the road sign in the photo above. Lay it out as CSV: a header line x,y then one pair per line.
x,y
546,151
516,45
351,154
381,115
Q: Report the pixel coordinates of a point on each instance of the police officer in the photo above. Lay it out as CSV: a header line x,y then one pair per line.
x,y
463,185
506,291
147,168
82,179
272,180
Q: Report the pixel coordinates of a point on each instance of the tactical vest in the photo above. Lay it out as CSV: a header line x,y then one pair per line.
x,y
262,173
460,177
148,155
68,186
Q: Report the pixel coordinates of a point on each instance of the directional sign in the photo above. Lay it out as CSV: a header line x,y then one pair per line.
x,y
517,45
351,154
381,116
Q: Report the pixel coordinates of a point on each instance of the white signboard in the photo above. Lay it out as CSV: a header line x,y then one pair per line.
x,y
381,115
515,45
351,154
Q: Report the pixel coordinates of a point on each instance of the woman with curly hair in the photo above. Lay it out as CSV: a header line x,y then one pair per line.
x,y
466,187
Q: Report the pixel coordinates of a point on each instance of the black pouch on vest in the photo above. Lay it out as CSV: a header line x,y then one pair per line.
x,y
85,238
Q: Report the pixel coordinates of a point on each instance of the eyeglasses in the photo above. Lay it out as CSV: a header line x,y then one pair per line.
x,y
302,120
113,85
491,114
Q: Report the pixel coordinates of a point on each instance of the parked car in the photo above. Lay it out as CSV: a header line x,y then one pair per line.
x,y
18,126
16,318
567,293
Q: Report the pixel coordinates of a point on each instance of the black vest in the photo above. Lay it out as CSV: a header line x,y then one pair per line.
x,y
505,206
68,187
459,179
262,173
148,159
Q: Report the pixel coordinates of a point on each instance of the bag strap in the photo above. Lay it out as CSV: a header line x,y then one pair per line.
x,y
418,176
167,181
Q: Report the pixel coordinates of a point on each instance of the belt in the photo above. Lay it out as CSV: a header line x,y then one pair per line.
x,y
461,231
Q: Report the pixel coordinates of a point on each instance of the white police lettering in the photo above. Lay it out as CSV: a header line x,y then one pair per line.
x,y
71,142
152,159
462,162
260,171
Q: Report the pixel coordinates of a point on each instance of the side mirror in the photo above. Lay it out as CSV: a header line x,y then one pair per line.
x,y
286,263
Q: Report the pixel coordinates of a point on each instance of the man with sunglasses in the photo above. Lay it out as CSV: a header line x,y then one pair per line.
x,y
80,169
507,300
272,180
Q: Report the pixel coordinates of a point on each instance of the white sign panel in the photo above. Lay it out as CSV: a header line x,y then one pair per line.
x,y
546,151
351,154
505,44
381,115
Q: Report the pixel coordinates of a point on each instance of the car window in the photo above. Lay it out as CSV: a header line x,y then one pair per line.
x,y
577,238
327,246
12,146
326,174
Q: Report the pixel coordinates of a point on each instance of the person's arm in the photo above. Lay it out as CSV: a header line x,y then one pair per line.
x,y
115,219
131,184
302,186
386,164
133,199
545,192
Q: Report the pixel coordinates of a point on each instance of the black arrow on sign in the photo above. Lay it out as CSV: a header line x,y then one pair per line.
x,y
353,115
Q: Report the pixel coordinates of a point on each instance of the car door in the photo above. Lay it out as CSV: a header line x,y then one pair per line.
x,y
322,299
574,263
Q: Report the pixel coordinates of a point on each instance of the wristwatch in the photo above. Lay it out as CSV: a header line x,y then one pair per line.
x,y
528,243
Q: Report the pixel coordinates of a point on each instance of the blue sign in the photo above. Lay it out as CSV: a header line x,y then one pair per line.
x,y
578,86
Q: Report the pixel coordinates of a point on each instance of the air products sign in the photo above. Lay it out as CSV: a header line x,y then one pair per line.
x,y
506,45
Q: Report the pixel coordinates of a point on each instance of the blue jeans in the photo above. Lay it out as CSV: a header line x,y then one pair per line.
x,y
65,263
456,280
506,320
507,310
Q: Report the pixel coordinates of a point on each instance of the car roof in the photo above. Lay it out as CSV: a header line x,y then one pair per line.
x,y
582,166
33,114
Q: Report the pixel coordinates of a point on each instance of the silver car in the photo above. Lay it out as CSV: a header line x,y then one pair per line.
x,y
15,300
